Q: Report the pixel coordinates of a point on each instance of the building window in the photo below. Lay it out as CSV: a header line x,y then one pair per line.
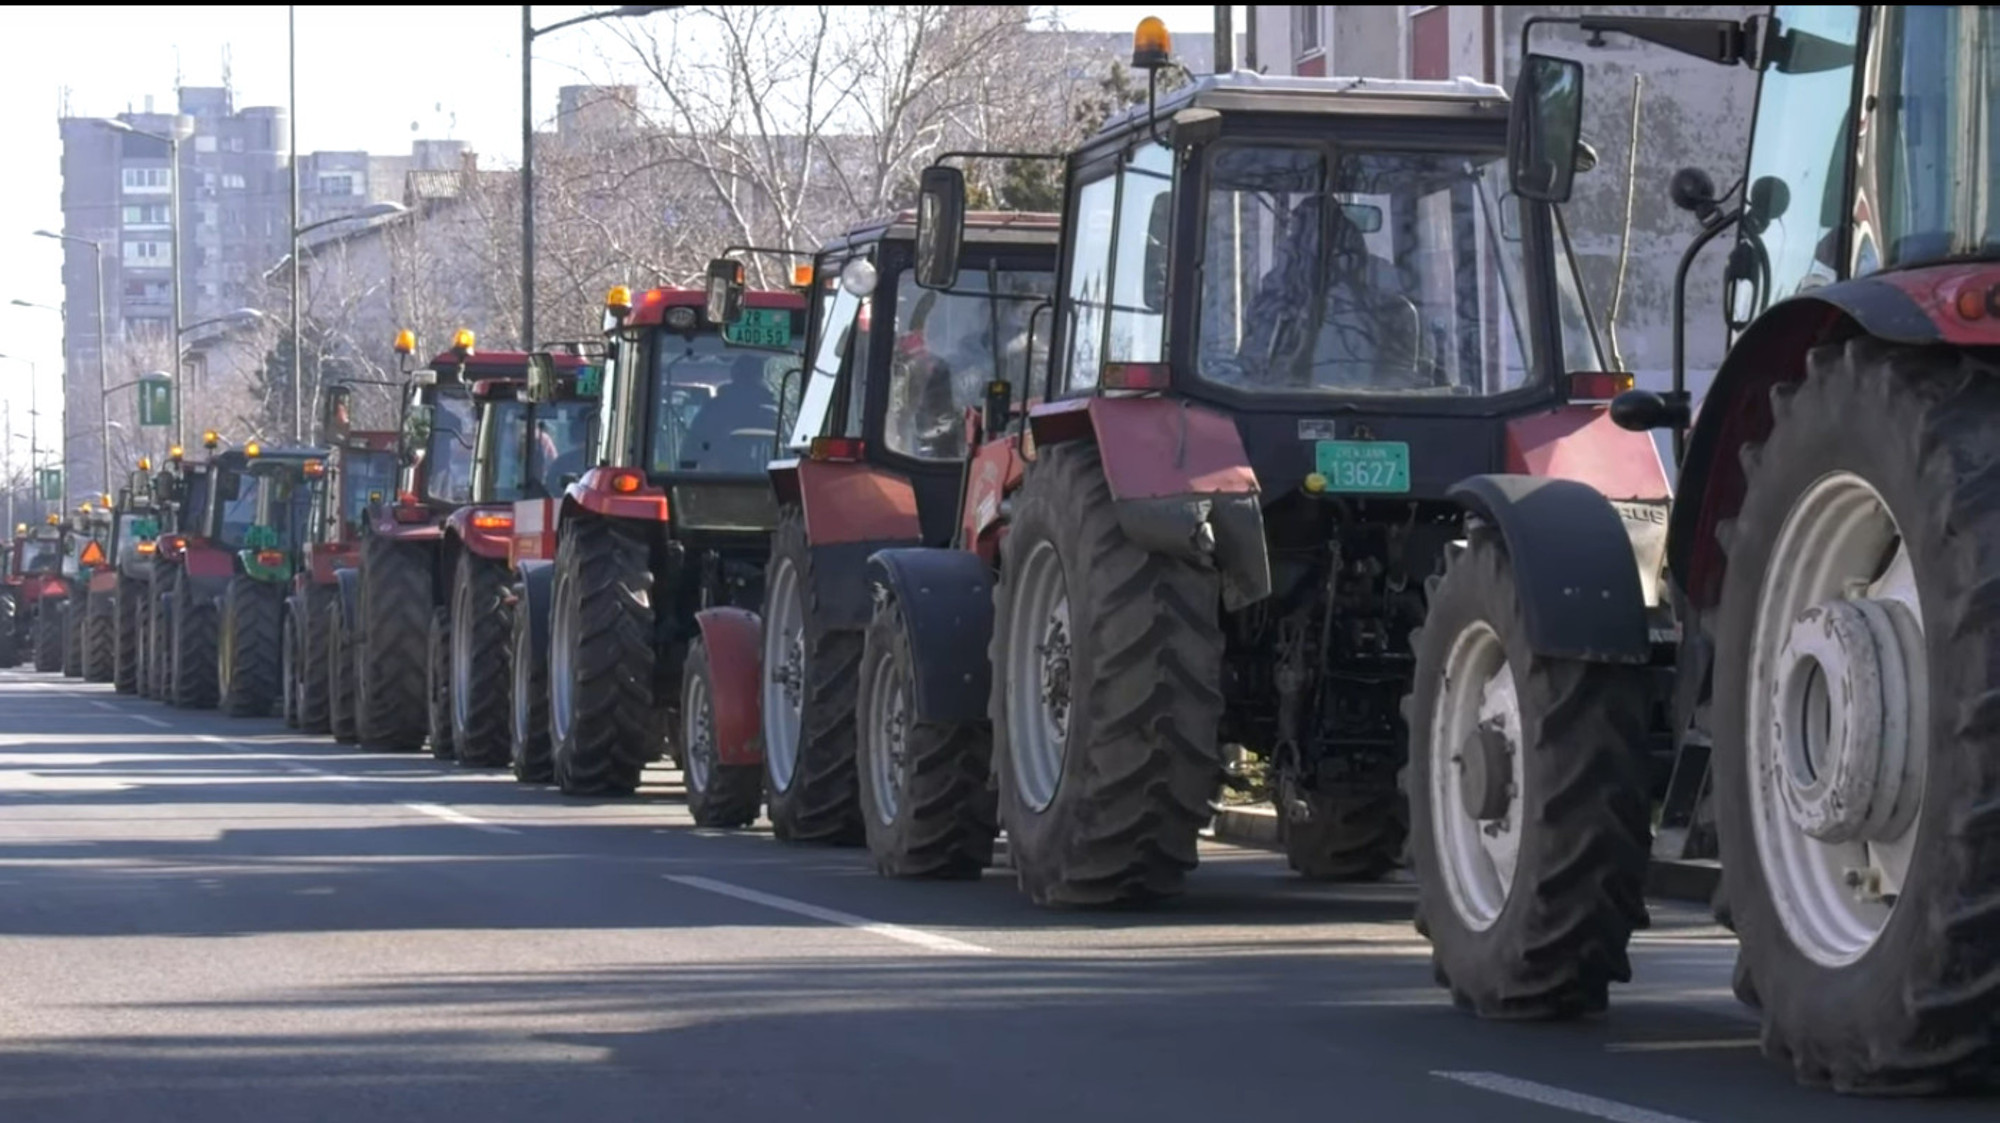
x,y
204,144
232,181
144,179
1306,29
336,185
146,214
149,254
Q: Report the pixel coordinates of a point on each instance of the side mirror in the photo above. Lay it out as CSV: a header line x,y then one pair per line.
x,y
725,291
940,225
541,377
1545,128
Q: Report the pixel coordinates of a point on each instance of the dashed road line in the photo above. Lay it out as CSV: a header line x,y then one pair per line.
x,y
152,721
898,932
438,811
1681,1046
1562,1099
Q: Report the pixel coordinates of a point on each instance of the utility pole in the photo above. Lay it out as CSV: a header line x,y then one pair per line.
x,y
298,351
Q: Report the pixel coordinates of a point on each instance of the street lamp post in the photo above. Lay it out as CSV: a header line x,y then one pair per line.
x,y
97,252
173,142
34,428
528,35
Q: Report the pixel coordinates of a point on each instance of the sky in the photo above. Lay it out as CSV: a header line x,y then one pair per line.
x,y
372,78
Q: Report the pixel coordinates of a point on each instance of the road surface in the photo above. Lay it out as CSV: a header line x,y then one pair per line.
x,y
212,920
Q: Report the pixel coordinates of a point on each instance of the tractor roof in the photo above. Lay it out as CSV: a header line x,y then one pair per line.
x,y
1246,91
651,306
495,364
981,228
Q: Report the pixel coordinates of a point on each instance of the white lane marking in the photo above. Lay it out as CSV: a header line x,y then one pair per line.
x,y
1562,1099
917,936
152,721
103,705
437,811
1680,1046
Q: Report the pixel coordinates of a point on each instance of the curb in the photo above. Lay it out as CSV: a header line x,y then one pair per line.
x,y
1256,825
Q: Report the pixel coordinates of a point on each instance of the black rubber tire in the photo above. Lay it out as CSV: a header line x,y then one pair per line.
x,y
10,636
159,641
437,687
603,583
248,661
75,613
340,686
100,637
127,627
311,660
288,661
391,649
194,659
48,635
1579,882
1352,836
1919,1012
527,699
481,623
732,795
1143,763
945,816
822,802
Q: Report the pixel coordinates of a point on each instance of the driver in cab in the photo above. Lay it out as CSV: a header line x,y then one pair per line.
x,y
744,402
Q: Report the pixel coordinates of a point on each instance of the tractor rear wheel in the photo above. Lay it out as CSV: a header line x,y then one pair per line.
x,y
340,686
48,635
160,643
126,669
1347,836
10,646
100,637
811,672
528,700
1857,695
718,794
194,646
247,657
390,648
437,686
602,729
1528,797
75,614
480,623
311,660
924,799
1107,663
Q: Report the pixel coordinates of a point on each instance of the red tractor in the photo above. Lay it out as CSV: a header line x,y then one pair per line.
x,y
14,636
84,559
180,492
1832,561
124,587
879,461
360,475
674,517
35,577
192,568
532,439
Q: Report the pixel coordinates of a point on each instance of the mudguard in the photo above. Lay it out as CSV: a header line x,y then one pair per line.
x,y
849,502
1573,563
593,493
485,542
1180,481
947,601
734,639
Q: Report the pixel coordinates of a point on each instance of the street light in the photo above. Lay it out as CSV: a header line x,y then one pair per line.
x,y
528,35
173,142
34,425
97,255
373,210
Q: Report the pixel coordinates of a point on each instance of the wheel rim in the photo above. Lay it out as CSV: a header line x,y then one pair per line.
x,y
785,685
461,656
1836,727
562,657
698,734
887,712
1040,646
1475,744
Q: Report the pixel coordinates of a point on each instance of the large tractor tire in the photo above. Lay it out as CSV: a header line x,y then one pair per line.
x,y
1857,700
48,635
288,662
528,700
194,642
10,646
311,661
602,727
159,642
1107,664
1347,836
340,684
480,623
1528,796
390,653
248,660
924,799
812,672
437,687
718,794
127,628
100,638
75,612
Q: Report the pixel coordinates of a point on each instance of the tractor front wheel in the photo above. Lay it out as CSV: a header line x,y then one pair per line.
x,y
480,623
340,685
48,635
100,637
194,627
602,727
807,698
247,658
390,655
311,659
718,794
127,671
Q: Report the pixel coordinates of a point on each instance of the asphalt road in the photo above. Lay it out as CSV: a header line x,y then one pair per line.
x,y
211,920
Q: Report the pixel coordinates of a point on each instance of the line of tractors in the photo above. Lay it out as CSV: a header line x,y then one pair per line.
x,y
1293,432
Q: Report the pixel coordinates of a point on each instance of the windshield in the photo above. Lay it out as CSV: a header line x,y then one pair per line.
x,y
287,505
715,405
949,345
239,506
366,478
1363,273
194,501
555,447
448,453
840,311
44,556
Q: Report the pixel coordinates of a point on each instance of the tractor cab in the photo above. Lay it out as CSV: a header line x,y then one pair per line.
x,y
436,441
532,441
279,486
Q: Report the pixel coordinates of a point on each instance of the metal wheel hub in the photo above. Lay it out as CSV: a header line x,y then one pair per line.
x,y
1841,720
1054,651
1486,772
699,731
458,641
782,699
1477,776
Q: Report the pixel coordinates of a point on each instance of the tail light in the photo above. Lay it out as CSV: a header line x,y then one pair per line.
x,y
492,522
840,450
624,481
1136,376
146,549
403,514
1598,386
270,559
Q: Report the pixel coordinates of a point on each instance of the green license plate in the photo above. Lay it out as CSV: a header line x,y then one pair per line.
x,y
761,327
1368,466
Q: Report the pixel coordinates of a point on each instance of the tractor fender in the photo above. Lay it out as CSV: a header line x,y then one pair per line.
x,y
947,601
1574,566
463,526
1908,306
347,594
734,639
538,582
848,503
1181,483
594,493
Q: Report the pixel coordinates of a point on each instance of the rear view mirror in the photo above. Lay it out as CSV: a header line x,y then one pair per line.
x,y
940,225
725,291
1546,126
541,377
1362,216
